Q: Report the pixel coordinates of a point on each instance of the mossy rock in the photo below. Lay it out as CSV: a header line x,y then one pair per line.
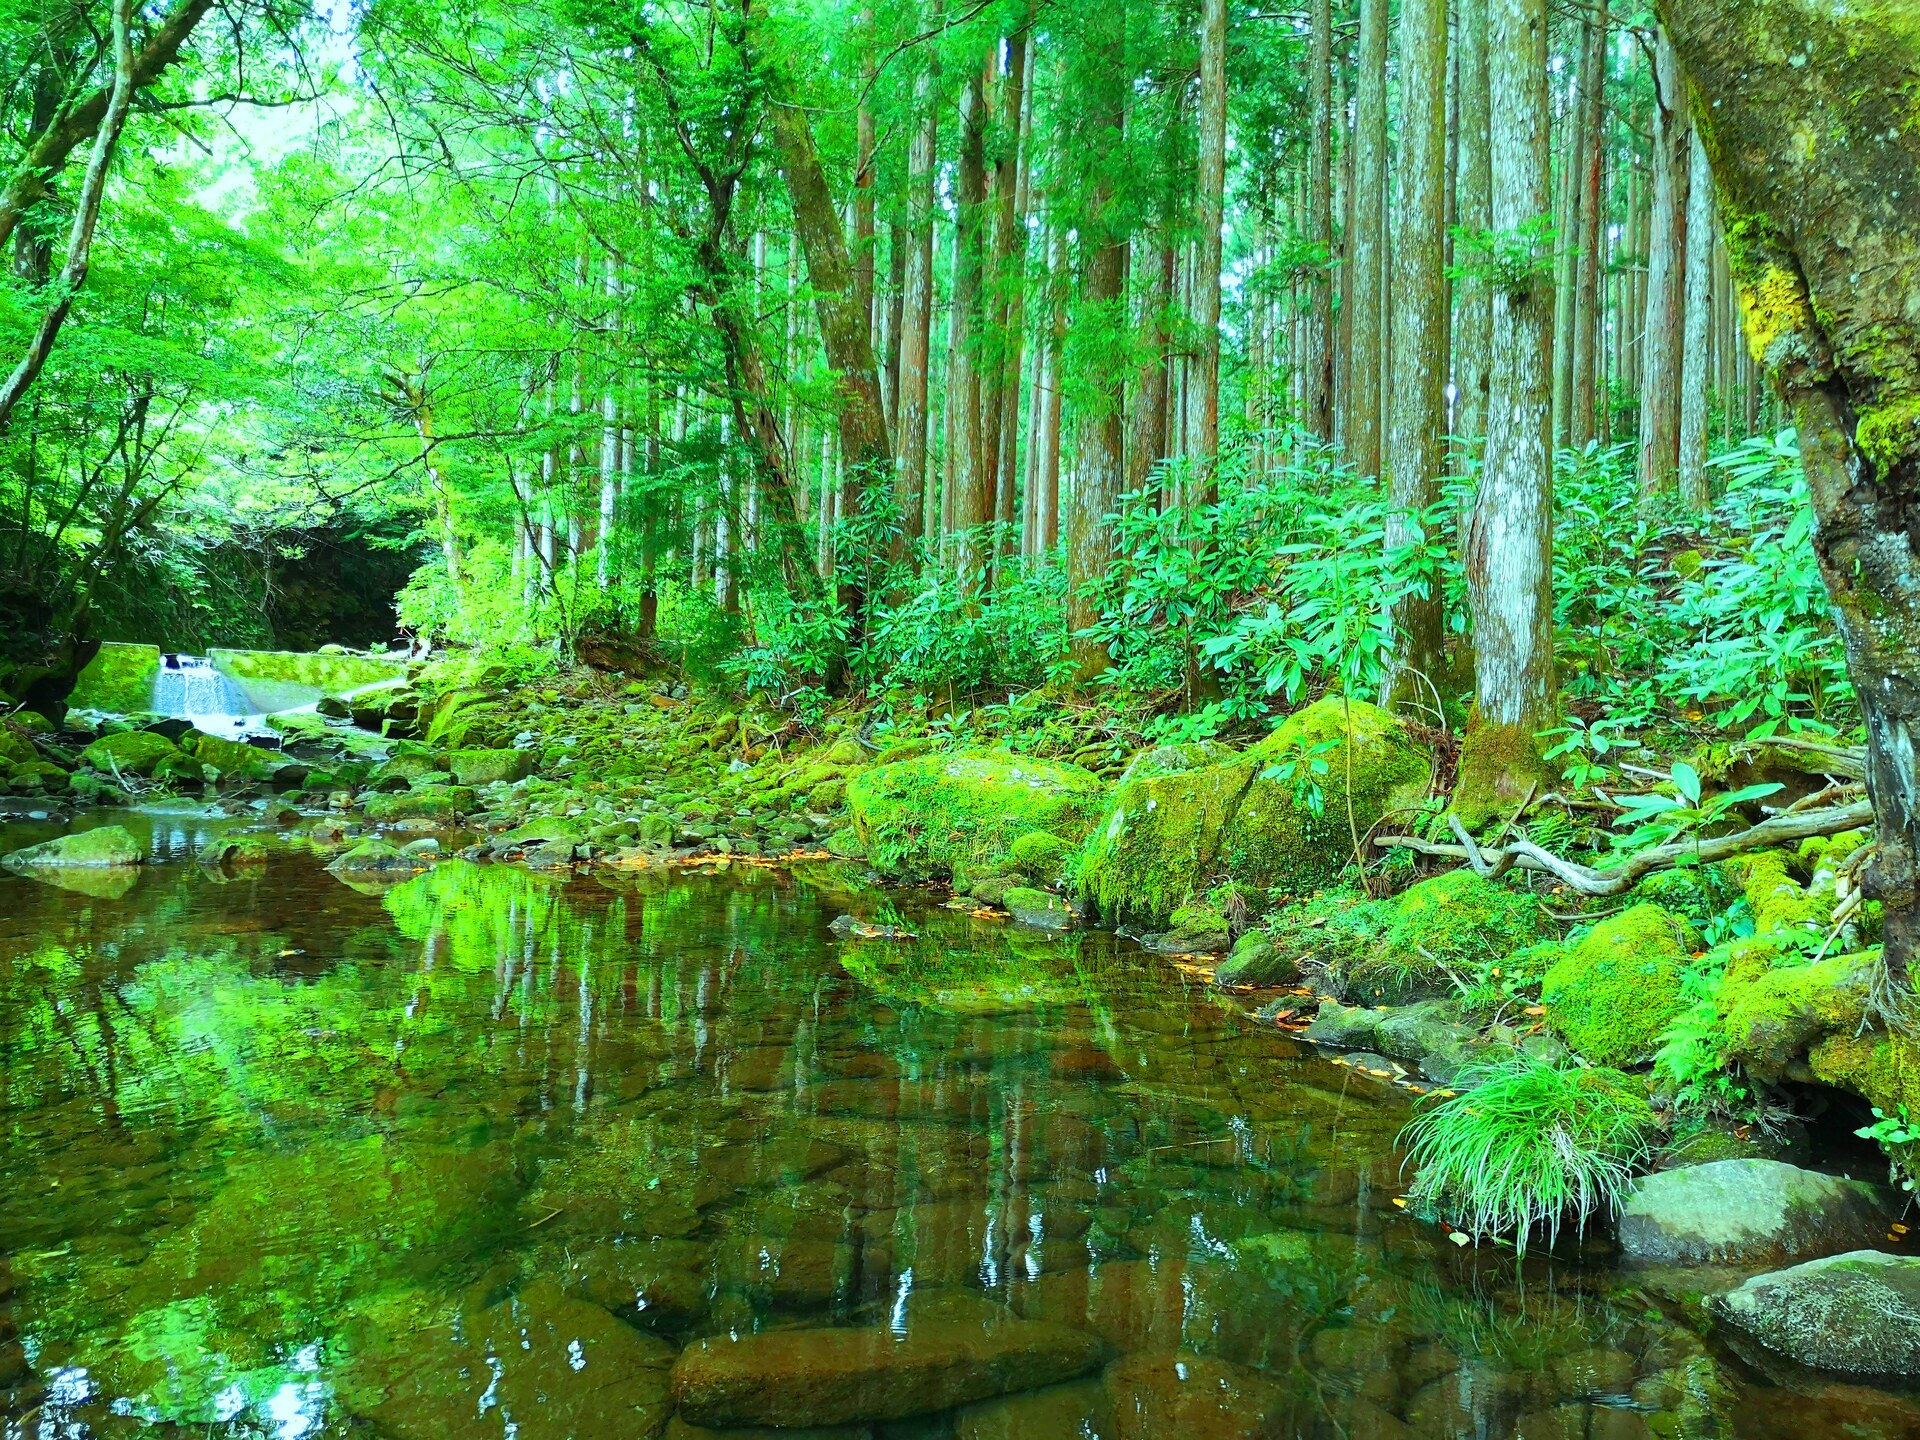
x,y
376,857
1328,935
407,766
958,814
438,802
131,752
1769,1019
229,757
1041,854
39,772
1778,901
487,767
543,829
31,721
106,847
1255,960
1038,908
1884,1069
180,768
827,795
1194,930
1171,834
16,748
1439,929
119,679
1617,990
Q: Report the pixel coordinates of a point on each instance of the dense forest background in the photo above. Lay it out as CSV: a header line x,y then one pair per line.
x,y
1213,354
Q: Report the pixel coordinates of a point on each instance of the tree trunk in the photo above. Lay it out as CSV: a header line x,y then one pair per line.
x,y
1808,115
972,478
1666,263
1473,314
1696,359
1589,292
1416,437
916,307
1203,408
1147,445
1316,360
1509,545
1364,422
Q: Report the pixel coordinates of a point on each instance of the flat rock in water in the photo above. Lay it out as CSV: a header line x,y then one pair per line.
x,y
1752,1212
950,1350
540,1364
1060,1412
1158,1397
1858,1313
108,847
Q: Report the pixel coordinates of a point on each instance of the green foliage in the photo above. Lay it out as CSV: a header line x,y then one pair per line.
x,y
1897,1135
1530,1143
1658,818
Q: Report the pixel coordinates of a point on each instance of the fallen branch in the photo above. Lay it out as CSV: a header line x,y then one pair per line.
x,y
1846,762
1492,861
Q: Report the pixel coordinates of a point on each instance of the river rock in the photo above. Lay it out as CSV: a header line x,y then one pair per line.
x,y
1748,1212
1155,1397
1345,1027
376,857
541,1363
1037,908
131,752
107,847
1858,1313
951,1350
1059,1412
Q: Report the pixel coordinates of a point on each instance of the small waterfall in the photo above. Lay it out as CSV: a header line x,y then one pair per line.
x,y
188,687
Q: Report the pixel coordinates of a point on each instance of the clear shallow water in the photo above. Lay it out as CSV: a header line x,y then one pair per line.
x,y
487,1154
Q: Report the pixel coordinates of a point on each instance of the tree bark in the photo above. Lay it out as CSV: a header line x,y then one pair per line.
x,y
1589,292
1316,359
1416,436
1364,420
972,477
1807,112
1696,348
1203,409
1508,554
1473,312
1666,263
916,307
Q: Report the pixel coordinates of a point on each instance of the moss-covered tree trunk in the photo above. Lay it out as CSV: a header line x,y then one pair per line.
x,y
1808,115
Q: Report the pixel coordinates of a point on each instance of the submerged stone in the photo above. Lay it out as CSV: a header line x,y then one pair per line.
x,y
1759,1212
1195,1397
541,1364
950,1349
376,857
1858,1313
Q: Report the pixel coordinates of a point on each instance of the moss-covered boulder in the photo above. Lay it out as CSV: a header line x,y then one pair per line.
x,y
1618,989
1186,818
1436,932
958,814
1770,1018
441,803
1882,1067
230,757
1193,930
108,846
131,752
376,857
407,767
1041,854
31,721
42,773
1857,1313
1255,961
181,769
1038,908
16,748
485,767
120,679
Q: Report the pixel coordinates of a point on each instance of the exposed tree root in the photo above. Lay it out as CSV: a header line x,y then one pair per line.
x,y
1492,861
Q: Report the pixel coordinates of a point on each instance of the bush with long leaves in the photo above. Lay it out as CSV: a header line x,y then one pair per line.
x,y
1531,1143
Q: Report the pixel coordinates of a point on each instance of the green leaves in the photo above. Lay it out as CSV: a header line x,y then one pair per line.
x,y
1657,817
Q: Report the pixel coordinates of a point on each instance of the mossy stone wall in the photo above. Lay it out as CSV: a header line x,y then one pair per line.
x,y
120,679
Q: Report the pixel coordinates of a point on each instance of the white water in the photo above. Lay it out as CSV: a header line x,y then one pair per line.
x,y
188,687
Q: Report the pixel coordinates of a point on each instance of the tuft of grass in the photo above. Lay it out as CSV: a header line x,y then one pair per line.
x,y
1532,1144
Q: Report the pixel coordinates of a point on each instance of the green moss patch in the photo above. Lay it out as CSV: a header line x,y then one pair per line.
x,y
108,846
1618,989
229,757
485,767
1437,932
131,752
1186,818
120,679
959,814
1770,1018
287,679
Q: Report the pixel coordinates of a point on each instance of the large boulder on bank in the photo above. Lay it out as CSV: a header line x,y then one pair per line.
x,y
1770,1019
1858,1313
1748,1212
1279,816
959,814
951,1349
1435,931
1614,994
107,847
130,752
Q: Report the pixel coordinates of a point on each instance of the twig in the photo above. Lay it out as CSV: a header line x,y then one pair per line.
x,y
1619,879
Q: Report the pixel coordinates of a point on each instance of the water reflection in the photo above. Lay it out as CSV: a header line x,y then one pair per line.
x,y
491,1153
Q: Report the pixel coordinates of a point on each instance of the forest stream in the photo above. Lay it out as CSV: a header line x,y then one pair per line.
x,y
487,1152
